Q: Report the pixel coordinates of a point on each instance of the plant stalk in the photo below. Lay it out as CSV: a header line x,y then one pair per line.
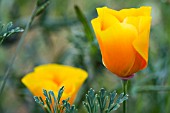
x,y
37,10
19,46
124,85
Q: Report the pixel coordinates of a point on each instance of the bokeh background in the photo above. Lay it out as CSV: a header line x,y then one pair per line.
x,y
57,36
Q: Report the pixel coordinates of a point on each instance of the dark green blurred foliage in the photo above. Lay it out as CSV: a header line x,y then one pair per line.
x,y
60,35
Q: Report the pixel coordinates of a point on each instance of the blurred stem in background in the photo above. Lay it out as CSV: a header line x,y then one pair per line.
x,y
124,85
83,20
150,88
41,5
89,51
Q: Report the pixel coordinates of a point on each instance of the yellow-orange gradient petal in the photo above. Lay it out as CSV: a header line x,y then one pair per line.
x,y
96,23
140,22
117,50
141,44
142,11
106,10
138,64
106,19
100,24
122,14
53,77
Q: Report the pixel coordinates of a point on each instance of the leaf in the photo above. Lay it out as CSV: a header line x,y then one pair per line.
x,y
83,20
105,101
92,103
87,107
122,98
112,98
41,6
55,107
60,92
102,98
68,107
7,30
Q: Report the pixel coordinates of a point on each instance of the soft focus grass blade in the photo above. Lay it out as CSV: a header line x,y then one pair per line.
x,y
83,20
19,46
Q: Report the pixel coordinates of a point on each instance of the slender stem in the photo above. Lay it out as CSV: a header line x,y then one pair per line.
x,y
151,88
124,85
39,8
19,46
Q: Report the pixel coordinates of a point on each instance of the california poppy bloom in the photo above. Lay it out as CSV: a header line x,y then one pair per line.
x,y
123,37
53,77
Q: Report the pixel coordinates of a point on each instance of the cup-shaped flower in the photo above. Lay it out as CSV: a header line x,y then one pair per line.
x,y
53,77
123,37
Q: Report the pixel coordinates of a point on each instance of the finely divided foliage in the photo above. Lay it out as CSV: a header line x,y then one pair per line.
x,y
103,102
55,107
94,103
7,30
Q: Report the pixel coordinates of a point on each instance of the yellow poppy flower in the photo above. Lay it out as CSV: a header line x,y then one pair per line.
x,y
53,77
123,37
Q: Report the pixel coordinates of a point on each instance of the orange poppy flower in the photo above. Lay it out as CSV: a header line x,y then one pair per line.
x,y
123,37
53,77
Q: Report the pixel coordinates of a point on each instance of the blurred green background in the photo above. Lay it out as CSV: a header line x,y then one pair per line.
x,y
57,36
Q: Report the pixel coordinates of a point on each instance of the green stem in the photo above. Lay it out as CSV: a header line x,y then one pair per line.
x,y
37,10
19,46
150,88
124,85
